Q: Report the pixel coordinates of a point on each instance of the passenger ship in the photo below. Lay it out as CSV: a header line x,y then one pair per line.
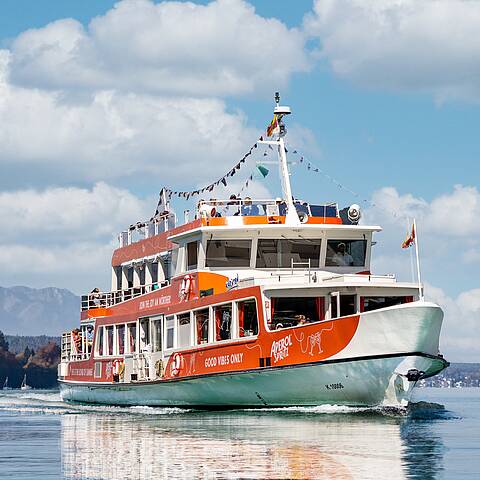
x,y
251,304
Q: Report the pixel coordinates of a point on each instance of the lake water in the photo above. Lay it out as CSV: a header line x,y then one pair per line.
x,y
439,437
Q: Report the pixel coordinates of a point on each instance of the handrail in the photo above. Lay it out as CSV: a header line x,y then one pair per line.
x,y
108,299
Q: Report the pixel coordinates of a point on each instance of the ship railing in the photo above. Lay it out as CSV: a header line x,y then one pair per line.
x,y
108,299
75,346
142,230
260,207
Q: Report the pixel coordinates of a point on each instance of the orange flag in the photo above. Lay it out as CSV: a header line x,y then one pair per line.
x,y
410,238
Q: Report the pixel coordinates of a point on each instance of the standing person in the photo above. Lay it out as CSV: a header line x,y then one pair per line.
x,y
248,209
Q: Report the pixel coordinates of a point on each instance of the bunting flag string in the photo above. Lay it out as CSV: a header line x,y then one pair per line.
x,y
167,193
313,168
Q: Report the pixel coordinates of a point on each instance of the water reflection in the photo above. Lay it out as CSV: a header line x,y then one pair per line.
x,y
303,443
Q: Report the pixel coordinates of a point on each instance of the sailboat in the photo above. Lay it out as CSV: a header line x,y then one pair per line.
x,y
24,385
5,385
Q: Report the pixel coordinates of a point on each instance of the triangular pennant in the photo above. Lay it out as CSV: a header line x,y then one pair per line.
x,y
263,170
224,181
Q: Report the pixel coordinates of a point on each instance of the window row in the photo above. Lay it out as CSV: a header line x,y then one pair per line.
x,y
221,322
289,312
278,253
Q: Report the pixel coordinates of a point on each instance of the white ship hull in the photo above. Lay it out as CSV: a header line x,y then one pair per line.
x,y
391,349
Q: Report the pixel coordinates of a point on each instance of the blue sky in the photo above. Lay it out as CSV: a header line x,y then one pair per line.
x,y
103,105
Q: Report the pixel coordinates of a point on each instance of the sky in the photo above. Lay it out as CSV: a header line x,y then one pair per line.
x,y
103,103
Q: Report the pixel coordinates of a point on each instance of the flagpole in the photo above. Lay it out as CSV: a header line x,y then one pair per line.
x,y
420,290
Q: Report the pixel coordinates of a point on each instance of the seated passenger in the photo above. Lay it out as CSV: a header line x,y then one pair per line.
x,y
301,319
248,209
342,258
282,206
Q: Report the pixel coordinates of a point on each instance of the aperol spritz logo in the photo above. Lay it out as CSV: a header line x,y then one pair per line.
x,y
279,350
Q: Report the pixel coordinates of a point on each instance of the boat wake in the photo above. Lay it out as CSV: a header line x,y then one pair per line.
x,y
49,402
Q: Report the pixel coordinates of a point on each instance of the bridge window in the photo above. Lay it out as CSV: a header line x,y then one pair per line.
x,y
192,255
247,318
228,253
223,322
201,324
183,322
272,253
290,312
346,253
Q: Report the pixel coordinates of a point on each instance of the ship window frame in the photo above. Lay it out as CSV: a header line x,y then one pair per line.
x,y
321,311
237,317
315,264
209,320
328,259
247,261
232,322
172,327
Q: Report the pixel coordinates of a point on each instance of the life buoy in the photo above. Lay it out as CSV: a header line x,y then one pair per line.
x,y
118,367
176,364
186,287
159,368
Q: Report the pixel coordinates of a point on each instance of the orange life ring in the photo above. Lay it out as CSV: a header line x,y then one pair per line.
x,y
118,367
176,365
186,287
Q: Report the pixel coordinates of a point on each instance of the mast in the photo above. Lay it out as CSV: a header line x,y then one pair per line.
x,y
279,132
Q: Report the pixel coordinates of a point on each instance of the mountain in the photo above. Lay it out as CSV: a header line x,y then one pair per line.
x,y
43,311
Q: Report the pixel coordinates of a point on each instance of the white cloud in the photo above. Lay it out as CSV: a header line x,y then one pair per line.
x,y
222,48
459,338
115,135
69,213
430,45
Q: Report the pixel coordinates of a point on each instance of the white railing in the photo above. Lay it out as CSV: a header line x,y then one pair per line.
x,y
142,230
107,299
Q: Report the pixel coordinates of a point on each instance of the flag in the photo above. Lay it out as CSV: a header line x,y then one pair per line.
x,y
273,127
263,170
410,238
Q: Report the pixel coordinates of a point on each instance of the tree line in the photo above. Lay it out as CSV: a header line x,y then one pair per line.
x,y
39,365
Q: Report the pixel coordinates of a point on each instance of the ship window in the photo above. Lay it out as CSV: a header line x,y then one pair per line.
x,y
192,252
157,335
201,324
348,306
223,322
293,311
154,271
132,338
99,341
120,339
170,329
273,253
346,253
183,321
130,277
109,343
118,277
228,253
247,318
144,334
141,274
368,304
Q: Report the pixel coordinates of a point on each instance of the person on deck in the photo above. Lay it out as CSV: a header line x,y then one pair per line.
x,y
248,209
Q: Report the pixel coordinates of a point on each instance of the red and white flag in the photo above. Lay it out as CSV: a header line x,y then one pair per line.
x,y
410,240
